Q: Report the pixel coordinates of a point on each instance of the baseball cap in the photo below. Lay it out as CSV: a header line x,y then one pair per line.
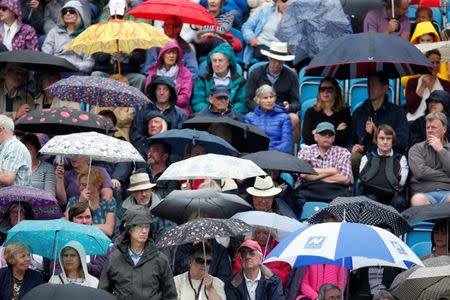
x,y
325,126
250,244
220,90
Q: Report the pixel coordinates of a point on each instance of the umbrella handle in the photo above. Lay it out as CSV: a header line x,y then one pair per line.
x,y
393,9
54,253
118,58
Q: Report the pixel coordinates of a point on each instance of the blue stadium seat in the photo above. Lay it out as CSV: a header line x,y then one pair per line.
x,y
437,16
411,14
421,233
238,34
254,66
357,92
203,64
309,85
288,178
421,249
402,95
305,105
311,208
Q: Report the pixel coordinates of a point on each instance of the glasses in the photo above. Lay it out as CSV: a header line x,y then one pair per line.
x,y
141,227
326,89
71,11
284,1
248,252
222,98
201,261
3,8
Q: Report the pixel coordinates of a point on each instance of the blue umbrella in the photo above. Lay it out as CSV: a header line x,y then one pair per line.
x,y
179,138
358,55
46,238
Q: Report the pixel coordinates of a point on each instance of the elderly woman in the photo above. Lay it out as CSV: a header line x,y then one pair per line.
x,y
13,33
17,279
104,216
16,212
43,173
329,108
272,118
197,283
74,269
71,23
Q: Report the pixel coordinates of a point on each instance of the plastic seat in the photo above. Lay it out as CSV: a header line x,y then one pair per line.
x,y
437,16
311,208
421,249
421,233
305,105
288,178
411,14
238,34
309,85
358,92
254,66
203,64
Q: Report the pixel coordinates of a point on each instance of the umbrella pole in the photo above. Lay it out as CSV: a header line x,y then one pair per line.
x,y
54,253
89,174
267,245
118,58
342,279
393,9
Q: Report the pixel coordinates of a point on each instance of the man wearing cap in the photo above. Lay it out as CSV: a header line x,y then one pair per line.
x,y
332,163
219,100
254,281
135,269
282,79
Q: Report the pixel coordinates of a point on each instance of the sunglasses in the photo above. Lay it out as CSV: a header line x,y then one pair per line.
x,y
71,11
326,89
201,261
284,1
3,8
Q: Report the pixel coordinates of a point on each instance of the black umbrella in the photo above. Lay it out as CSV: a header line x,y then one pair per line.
x,y
246,138
276,160
67,292
64,120
179,206
363,210
427,212
36,61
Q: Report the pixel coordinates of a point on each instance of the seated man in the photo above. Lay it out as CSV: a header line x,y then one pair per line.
x,y
221,70
219,100
155,123
332,163
254,281
381,20
430,164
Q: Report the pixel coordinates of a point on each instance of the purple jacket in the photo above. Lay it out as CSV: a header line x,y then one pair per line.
x,y
183,80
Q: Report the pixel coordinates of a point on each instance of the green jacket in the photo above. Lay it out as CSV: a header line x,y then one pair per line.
x,y
202,87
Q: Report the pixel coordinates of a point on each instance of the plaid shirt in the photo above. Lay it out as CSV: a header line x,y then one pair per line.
x,y
15,158
335,157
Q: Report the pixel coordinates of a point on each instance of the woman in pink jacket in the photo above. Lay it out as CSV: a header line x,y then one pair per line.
x,y
170,64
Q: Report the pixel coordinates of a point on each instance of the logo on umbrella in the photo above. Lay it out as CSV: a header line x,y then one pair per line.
x,y
315,242
398,247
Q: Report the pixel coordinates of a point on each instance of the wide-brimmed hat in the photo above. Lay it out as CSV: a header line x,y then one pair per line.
x,y
278,51
139,182
263,187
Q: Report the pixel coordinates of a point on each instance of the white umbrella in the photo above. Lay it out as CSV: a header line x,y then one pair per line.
x,y
443,47
213,166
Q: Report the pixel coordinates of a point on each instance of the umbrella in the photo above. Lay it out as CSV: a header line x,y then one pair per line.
x,y
202,229
97,91
36,61
363,210
64,120
358,55
47,238
213,166
443,47
179,206
284,225
427,212
67,292
189,12
180,138
310,26
276,160
43,205
93,146
117,35
246,138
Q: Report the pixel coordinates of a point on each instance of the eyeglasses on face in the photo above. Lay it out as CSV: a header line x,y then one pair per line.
x,y
69,10
201,261
326,89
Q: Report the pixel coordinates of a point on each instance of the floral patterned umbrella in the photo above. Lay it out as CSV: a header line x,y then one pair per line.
x,y
98,91
43,205
64,120
202,229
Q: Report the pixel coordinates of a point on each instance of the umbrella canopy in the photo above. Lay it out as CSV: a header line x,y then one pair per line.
x,y
213,166
180,138
179,206
245,138
67,292
43,205
443,47
64,120
47,238
189,12
276,160
427,212
202,229
36,61
350,245
92,146
358,55
99,91
363,210
284,225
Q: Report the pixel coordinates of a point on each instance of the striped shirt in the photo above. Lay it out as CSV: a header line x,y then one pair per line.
x,y
15,158
44,178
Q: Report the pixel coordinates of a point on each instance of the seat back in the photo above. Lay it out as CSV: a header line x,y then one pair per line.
x,y
422,248
311,208
358,92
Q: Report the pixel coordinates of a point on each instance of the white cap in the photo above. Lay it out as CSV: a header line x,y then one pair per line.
x,y
117,7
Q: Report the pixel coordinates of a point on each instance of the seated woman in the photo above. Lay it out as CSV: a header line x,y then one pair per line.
x,y
329,108
14,214
104,216
170,64
440,240
197,283
74,270
17,278
272,118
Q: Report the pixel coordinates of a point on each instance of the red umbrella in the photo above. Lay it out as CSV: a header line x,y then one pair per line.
x,y
188,12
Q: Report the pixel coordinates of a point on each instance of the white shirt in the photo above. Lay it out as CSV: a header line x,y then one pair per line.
x,y
10,32
222,81
423,105
252,285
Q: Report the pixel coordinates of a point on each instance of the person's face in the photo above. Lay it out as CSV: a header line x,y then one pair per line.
x,y
143,196
423,16
172,27
22,261
275,65
90,187
261,236
281,4
327,92
376,88
32,150
324,139
332,294
162,93
15,77
71,260
384,142
267,101
435,106
213,5
402,9
170,57
139,233
435,61
156,154
70,15
197,266
262,203
440,238
219,103
155,126
198,150
426,38
84,218
435,128
6,15
250,258
78,164
16,214
220,64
